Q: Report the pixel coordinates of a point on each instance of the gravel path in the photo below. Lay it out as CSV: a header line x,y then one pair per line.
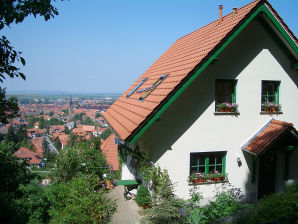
x,y
127,211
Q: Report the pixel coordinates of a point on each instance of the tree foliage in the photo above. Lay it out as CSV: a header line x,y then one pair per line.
x,y
77,201
106,133
15,11
8,107
166,206
88,121
32,205
79,159
12,174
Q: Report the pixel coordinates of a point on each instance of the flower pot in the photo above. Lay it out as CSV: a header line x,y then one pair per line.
x,y
195,180
232,110
273,109
221,110
202,180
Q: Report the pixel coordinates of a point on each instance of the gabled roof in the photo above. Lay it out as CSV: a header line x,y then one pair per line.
x,y
110,149
182,63
267,136
24,153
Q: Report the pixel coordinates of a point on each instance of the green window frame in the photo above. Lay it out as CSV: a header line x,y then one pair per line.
x,y
208,162
225,91
270,92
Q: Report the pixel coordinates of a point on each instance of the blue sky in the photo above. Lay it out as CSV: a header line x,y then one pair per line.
x,y
103,46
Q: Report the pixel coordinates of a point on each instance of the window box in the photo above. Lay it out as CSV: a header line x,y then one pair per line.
x,y
225,93
209,182
207,167
270,113
227,113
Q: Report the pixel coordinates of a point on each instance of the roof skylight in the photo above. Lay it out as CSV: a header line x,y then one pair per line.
x,y
148,90
137,86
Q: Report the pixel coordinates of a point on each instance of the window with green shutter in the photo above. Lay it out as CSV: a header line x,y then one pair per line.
x,y
208,162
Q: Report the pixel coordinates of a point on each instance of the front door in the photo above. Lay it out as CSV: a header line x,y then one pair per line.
x,y
267,167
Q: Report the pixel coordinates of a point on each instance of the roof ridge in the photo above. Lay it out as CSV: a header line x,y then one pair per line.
x,y
281,123
217,19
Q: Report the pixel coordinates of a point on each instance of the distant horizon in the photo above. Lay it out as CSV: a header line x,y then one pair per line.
x,y
105,46
58,92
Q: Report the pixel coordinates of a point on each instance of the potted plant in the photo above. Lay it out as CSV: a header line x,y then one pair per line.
x,y
202,177
221,176
221,107
227,107
233,107
271,107
191,178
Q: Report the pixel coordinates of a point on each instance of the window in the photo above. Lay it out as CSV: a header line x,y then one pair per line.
x,y
208,162
146,91
137,86
225,91
270,92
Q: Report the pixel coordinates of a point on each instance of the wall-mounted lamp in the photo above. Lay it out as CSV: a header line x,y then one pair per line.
x,y
238,159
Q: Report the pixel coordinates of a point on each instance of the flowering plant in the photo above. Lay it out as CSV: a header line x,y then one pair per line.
x,y
227,107
269,106
197,177
216,176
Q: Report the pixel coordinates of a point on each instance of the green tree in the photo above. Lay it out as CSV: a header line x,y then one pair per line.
x,y
8,107
88,121
12,174
41,123
51,113
79,159
31,121
78,117
77,202
97,115
33,204
55,121
106,133
21,134
57,144
95,142
15,11
72,139
10,135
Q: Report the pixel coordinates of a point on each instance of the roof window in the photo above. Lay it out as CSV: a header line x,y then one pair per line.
x,y
148,90
137,86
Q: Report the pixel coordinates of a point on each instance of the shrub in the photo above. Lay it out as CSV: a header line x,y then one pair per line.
x,y
277,208
218,211
166,207
143,196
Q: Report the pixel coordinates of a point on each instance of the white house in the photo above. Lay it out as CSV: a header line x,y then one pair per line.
x,y
171,113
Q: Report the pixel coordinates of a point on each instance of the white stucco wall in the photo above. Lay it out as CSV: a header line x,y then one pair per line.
x,y
190,125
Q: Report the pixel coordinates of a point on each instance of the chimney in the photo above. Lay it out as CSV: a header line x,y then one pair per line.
x,y
220,13
235,10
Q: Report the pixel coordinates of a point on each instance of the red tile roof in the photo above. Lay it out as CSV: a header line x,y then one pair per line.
x,y
37,142
179,62
24,153
110,150
267,136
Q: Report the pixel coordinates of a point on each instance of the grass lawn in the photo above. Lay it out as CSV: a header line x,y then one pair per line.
x,y
42,174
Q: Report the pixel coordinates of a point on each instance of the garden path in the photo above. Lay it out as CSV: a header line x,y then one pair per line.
x,y
127,211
